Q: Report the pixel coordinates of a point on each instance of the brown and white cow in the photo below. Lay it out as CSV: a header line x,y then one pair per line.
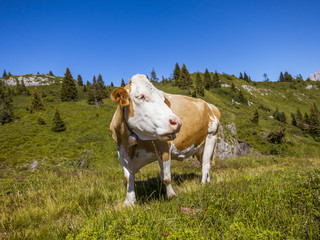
x,y
150,125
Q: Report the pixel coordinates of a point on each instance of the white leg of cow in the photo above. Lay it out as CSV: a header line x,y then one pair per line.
x,y
131,196
166,177
207,155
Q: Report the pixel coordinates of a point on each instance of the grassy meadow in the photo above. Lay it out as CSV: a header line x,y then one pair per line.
x,y
46,192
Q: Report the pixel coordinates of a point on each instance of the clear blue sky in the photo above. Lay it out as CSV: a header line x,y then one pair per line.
x,y
121,38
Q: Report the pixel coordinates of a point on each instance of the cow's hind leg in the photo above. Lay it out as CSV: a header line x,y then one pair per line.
x,y
208,156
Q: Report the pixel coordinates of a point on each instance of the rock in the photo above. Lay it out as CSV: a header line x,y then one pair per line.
x,y
34,165
86,157
315,76
232,128
231,148
33,80
225,85
309,87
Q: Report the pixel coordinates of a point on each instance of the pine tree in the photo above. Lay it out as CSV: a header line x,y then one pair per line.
x,y
293,120
23,87
315,109
68,88
283,118
6,108
18,89
241,98
9,74
36,102
50,73
79,80
216,81
199,85
281,78
240,77
233,87
306,119
299,119
58,124
164,80
93,92
154,77
185,81
314,122
101,89
287,77
207,79
245,77
4,73
255,118
176,72
123,84
111,84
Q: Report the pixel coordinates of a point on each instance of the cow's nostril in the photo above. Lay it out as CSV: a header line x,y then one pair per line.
x,y
173,122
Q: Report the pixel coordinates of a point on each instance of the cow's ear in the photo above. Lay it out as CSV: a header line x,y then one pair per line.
x,y
120,96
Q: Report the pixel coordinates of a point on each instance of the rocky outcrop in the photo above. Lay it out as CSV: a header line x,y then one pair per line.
x,y
230,147
315,76
32,80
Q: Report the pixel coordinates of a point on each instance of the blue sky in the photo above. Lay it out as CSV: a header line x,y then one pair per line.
x,y
121,38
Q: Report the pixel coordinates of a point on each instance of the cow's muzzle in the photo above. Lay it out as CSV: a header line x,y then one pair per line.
x,y
175,124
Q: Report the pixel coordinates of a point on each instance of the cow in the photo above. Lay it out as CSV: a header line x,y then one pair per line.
x,y
150,125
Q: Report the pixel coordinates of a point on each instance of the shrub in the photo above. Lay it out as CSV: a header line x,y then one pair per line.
x,y
277,136
41,121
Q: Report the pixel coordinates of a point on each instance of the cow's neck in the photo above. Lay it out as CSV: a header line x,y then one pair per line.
x,y
133,138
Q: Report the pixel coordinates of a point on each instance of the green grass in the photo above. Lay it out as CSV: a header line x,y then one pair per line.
x,y
266,197
247,198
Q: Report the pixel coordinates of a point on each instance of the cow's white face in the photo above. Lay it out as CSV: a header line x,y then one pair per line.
x,y
148,111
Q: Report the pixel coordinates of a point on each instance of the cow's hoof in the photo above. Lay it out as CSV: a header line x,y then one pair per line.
x,y
128,203
170,196
204,181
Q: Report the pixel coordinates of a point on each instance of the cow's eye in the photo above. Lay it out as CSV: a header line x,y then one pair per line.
x,y
141,97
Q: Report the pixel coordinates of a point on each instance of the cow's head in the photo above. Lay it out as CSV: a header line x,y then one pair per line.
x,y
146,109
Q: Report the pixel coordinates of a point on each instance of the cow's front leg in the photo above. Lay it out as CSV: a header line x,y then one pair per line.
x,y
131,196
165,174
129,176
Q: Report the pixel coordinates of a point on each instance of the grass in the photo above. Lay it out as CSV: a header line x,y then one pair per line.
x,y
264,197
247,198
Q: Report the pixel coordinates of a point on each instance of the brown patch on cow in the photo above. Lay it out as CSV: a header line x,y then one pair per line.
x,y
166,101
195,120
120,96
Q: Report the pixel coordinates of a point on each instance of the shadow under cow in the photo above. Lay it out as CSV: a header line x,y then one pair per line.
x,y
154,189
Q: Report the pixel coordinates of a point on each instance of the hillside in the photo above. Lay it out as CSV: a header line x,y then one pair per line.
x,y
43,179
236,126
